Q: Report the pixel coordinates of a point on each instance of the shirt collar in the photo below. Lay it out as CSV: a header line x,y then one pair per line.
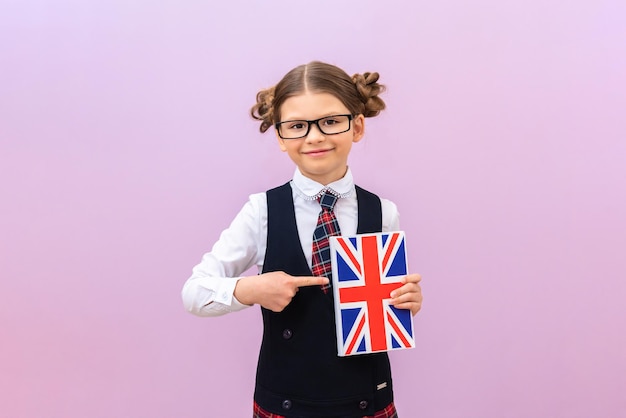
x,y
310,189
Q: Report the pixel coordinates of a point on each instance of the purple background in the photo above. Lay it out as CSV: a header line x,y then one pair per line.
x,y
126,147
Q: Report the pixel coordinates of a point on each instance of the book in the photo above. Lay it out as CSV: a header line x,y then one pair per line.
x,y
366,268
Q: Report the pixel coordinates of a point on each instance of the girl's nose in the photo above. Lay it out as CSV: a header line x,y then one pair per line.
x,y
315,135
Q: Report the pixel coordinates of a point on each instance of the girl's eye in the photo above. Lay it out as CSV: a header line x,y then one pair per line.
x,y
297,125
329,122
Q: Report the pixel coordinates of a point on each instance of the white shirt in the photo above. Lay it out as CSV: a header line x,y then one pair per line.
x,y
209,290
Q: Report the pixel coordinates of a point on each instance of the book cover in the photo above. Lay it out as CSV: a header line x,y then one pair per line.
x,y
366,268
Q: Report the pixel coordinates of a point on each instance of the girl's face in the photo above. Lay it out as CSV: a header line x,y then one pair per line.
x,y
323,158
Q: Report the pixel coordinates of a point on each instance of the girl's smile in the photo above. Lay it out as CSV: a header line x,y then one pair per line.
x,y
318,152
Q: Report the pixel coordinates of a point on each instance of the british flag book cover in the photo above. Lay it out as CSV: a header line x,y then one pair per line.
x,y
366,268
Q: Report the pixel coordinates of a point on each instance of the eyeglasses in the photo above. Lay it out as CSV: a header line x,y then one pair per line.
x,y
329,125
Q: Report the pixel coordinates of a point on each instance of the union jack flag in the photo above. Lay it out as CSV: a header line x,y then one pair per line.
x,y
366,268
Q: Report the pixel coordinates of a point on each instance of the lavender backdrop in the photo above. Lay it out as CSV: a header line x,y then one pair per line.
x,y
124,123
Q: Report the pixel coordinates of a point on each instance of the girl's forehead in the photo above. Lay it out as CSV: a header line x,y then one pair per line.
x,y
311,105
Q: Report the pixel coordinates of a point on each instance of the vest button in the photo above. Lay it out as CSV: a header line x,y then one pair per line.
x,y
363,405
287,404
287,333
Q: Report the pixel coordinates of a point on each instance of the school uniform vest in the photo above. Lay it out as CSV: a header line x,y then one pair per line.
x,y
299,373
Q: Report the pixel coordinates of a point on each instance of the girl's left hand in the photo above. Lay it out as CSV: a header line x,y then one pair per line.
x,y
409,295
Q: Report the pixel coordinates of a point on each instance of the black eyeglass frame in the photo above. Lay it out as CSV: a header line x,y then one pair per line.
x,y
311,123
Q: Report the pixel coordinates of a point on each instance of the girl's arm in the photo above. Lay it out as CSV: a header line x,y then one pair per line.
x,y
409,295
210,289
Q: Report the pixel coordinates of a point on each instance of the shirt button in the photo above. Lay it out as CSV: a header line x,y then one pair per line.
x,y
363,405
287,333
287,404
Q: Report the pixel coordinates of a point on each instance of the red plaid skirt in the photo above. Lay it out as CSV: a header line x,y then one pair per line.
x,y
388,412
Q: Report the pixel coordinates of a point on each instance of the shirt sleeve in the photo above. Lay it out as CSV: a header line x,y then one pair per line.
x,y
391,217
209,290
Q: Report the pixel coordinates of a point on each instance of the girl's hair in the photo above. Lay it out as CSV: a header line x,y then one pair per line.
x,y
358,93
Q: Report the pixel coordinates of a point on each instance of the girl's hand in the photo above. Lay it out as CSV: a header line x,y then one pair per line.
x,y
409,295
274,290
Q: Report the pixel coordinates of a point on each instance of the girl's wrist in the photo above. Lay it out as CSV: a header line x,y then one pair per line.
x,y
243,291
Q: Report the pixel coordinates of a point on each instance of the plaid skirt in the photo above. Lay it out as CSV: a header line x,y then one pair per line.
x,y
388,412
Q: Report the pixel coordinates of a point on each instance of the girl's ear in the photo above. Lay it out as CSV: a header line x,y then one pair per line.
x,y
358,127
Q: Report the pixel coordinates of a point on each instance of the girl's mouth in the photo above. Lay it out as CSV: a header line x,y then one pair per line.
x,y
318,152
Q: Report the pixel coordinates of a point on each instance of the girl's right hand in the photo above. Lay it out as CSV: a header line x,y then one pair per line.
x,y
274,290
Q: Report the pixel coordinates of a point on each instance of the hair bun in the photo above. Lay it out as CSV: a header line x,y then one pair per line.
x,y
263,110
368,87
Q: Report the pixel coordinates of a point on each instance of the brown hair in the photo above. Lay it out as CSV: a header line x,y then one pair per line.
x,y
358,93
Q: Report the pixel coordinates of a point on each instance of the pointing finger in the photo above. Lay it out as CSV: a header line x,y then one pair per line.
x,y
303,281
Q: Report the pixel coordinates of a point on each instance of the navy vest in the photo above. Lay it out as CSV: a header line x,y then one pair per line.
x,y
299,373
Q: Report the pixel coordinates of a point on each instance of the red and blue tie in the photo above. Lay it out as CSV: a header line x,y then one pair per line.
x,y
327,226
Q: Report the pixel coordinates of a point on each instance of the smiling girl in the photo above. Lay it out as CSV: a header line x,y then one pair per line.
x,y
318,113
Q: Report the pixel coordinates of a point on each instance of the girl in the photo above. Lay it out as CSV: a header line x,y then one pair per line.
x,y
318,112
